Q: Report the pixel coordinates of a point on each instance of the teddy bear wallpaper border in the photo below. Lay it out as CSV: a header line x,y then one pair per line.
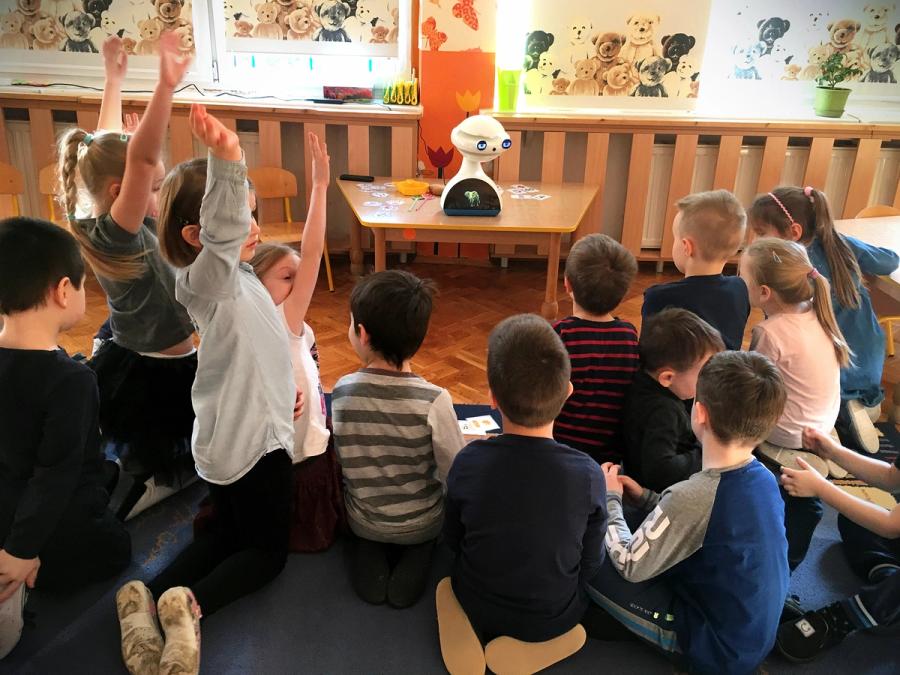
x,y
646,55
351,27
81,26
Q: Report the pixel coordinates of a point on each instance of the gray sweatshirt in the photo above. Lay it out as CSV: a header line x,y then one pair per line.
x,y
244,391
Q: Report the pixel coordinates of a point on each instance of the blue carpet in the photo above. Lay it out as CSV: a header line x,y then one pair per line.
x,y
309,619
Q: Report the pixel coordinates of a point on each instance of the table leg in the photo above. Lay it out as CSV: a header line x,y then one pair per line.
x,y
356,256
550,307
380,252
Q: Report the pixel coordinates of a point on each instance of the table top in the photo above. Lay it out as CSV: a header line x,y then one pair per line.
x,y
884,232
379,205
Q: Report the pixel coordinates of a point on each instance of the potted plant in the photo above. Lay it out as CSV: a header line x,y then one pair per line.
x,y
831,99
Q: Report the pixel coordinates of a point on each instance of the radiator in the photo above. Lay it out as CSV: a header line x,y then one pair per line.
x,y
883,185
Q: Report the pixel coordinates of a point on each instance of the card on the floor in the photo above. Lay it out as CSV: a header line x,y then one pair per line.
x,y
483,424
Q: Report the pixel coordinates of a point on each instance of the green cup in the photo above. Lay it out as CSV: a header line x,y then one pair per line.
x,y
508,89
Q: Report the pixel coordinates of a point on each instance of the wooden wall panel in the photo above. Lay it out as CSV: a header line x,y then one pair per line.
x,y
508,162
867,155
271,210
181,140
819,160
679,185
553,157
43,147
87,119
596,156
727,162
774,155
403,152
636,192
357,163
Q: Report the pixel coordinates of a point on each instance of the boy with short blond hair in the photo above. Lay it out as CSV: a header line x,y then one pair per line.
x,y
709,229
603,349
705,575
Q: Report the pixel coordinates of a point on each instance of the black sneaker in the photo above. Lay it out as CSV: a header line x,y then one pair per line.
x,y
805,638
12,619
792,609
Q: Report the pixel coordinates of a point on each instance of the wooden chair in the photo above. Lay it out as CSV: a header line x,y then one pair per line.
x,y
48,186
12,185
878,211
271,182
881,211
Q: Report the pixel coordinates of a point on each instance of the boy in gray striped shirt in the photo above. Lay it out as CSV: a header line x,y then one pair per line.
x,y
396,436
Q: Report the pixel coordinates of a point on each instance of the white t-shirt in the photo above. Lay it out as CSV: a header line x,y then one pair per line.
x,y
310,432
804,354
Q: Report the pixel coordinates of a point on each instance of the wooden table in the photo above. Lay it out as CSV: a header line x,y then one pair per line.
x,y
884,232
522,221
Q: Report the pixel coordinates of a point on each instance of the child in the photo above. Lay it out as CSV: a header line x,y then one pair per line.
x,y
660,447
705,576
871,539
802,215
145,372
800,335
709,229
525,517
244,393
603,349
291,280
396,436
55,528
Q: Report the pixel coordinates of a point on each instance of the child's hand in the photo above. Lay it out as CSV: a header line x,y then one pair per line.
x,y
222,141
613,479
115,59
130,122
321,162
632,492
819,443
298,405
173,64
802,482
16,571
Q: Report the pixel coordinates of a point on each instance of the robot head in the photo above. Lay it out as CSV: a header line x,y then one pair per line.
x,y
480,138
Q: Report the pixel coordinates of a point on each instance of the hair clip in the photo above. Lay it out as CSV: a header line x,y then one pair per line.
x,y
808,190
123,138
783,208
775,257
813,273
88,139
71,217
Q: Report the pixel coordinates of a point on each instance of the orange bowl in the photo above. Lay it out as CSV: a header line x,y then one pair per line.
x,y
412,188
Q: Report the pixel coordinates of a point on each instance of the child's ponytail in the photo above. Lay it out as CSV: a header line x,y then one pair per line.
x,y
785,268
844,267
96,159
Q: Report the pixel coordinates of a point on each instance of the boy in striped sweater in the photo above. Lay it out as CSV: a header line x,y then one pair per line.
x,y
603,350
396,436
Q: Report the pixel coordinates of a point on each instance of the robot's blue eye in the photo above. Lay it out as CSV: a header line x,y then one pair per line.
x,y
506,144
481,145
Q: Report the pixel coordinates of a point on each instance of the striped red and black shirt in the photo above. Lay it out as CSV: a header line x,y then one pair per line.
x,y
604,358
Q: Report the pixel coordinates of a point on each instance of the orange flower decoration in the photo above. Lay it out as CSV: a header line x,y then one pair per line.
x,y
468,102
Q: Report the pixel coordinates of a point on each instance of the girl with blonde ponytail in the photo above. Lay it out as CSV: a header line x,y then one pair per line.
x,y
802,215
801,336
145,372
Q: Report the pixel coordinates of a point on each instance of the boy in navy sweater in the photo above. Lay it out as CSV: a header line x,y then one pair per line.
x,y
525,517
709,229
705,575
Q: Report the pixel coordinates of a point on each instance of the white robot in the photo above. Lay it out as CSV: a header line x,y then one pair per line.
x,y
471,192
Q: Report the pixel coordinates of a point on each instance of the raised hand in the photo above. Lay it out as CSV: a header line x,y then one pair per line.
x,y
221,141
131,122
321,162
173,63
115,59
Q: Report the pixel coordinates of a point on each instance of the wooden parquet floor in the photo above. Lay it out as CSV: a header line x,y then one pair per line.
x,y
471,301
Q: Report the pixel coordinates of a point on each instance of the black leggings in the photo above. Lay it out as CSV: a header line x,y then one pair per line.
x,y
246,544
391,572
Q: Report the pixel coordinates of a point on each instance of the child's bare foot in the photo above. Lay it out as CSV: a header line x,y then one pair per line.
x,y
179,614
142,644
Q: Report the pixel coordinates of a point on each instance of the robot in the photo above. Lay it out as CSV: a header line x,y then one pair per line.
x,y
471,192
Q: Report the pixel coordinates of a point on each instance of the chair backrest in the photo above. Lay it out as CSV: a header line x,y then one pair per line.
x,y
272,182
11,180
878,211
48,180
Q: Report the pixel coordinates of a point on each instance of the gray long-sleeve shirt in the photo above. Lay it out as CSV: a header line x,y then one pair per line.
x,y
244,391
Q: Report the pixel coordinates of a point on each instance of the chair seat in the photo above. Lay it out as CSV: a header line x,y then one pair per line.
x,y
282,233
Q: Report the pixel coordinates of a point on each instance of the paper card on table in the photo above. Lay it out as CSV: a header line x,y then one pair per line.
x,y
483,424
465,427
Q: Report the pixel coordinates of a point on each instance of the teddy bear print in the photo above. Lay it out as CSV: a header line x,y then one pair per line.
x,y
746,58
31,12
48,34
560,86
842,34
607,47
619,80
771,30
651,72
882,59
816,57
874,31
267,21
585,84
185,39
242,27
77,26
536,43
580,46
332,15
106,28
150,30
678,82
95,8
674,47
11,36
394,33
771,65
640,44
285,7
791,72
539,81
367,15
379,35
169,13
897,34
302,24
